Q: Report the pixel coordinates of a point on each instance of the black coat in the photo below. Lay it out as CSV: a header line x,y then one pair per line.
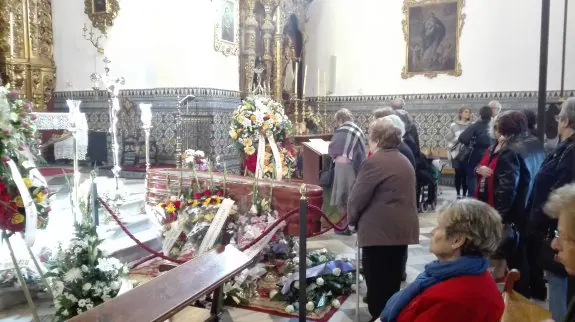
x,y
518,163
556,171
477,132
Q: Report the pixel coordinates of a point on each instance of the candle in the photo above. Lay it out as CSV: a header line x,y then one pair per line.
x,y
324,84
11,34
296,74
304,80
317,88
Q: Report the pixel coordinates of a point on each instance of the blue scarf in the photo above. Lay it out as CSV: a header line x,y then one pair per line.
x,y
435,272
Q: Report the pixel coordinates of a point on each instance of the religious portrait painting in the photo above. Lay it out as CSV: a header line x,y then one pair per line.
x,y
99,6
432,29
227,28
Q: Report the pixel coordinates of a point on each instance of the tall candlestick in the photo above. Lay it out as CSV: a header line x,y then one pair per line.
x,y
304,80
317,88
324,84
296,76
11,34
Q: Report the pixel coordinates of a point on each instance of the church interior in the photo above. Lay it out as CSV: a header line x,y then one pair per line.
x,y
167,160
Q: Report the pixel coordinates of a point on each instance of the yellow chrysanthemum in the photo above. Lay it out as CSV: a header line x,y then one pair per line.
x,y
249,150
40,197
248,142
161,204
17,219
209,217
170,208
233,135
27,182
207,201
195,203
18,201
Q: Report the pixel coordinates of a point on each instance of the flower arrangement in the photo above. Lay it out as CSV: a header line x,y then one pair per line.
x,y
195,159
192,214
312,120
16,138
258,116
335,278
82,275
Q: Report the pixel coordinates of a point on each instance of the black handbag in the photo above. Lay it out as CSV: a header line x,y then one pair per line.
x,y
465,152
510,241
326,176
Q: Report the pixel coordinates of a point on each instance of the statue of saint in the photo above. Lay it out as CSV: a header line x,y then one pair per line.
x,y
289,67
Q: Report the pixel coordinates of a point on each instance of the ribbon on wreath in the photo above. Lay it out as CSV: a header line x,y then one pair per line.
x,y
29,206
261,156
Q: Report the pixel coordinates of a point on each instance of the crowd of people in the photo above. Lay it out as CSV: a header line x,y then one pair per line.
x,y
515,209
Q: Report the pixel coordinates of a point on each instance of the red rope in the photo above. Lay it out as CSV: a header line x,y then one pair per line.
x,y
161,255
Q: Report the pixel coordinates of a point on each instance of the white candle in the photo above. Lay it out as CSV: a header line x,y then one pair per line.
x,y
324,84
296,74
304,79
11,34
317,88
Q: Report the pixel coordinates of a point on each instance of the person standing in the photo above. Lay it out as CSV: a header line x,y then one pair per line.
x,y
382,209
398,105
347,150
455,129
475,139
556,171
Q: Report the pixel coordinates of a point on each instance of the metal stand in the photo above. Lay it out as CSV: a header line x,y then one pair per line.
x,y
21,280
302,253
358,259
147,129
543,60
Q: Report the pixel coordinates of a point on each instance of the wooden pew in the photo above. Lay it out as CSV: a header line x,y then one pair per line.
x,y
163,297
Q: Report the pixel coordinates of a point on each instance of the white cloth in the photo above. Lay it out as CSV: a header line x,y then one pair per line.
x,y
65,149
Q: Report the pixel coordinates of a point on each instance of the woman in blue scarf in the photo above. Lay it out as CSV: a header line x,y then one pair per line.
x,y
457,286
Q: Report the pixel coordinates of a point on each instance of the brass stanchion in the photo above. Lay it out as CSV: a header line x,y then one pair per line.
x,y
303,202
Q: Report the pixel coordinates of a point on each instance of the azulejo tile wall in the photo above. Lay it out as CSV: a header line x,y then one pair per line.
x,y
433,113
216,103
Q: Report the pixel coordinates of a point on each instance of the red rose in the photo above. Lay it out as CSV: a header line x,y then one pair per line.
x,y
207,193
251,163
198,196
178,204
6,132
14,94
33,117
172,217
219,193
23,114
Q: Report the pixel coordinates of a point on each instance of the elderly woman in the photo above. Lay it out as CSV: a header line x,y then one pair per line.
x,y
457,286
388,113
347,150
561,207
382,208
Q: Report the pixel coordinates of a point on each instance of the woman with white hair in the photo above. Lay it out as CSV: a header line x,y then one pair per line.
x,y
388,114
382,208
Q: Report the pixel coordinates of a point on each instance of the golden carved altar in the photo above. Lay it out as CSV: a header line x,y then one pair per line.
x,y
26,51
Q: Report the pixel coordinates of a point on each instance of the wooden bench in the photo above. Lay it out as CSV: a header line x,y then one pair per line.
x,y
170,295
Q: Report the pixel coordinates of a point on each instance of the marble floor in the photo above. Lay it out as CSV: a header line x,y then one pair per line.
x,y
60,226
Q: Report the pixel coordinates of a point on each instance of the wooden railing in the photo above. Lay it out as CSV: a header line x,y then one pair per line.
x,y
163,297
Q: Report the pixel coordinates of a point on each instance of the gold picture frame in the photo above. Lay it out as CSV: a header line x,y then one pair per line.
x,y
227,28
432,31
102,13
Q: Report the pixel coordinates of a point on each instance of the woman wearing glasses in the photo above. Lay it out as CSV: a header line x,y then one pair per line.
x,y
556,171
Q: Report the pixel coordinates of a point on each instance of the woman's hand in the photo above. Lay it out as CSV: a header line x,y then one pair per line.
x,y
484,171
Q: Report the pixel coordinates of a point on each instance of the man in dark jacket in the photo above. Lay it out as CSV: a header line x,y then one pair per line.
x,y
556,171
398,105
476,138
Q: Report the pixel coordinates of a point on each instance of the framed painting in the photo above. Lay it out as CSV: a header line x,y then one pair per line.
x,y
226,35
102,13
432,30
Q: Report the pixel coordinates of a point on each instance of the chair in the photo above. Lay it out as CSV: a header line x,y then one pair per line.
x,y
517,307
131,135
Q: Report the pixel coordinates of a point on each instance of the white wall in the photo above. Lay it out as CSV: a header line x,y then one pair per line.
x,y
153,43
499,48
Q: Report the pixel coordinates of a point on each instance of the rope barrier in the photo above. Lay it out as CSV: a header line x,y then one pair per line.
x,y
154,253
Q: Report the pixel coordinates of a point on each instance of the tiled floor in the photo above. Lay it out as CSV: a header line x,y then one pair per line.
x,y
418,256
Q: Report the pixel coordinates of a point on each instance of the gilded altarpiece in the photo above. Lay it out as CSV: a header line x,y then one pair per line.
x,y
272,37
26,48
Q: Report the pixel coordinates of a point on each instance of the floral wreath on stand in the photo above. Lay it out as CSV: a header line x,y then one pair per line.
x,y
260,128
23,190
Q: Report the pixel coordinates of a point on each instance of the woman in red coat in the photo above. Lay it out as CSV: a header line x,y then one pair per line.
x,y
457,286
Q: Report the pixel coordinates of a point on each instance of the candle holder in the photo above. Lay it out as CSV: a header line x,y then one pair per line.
x,y
146,117
73,121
